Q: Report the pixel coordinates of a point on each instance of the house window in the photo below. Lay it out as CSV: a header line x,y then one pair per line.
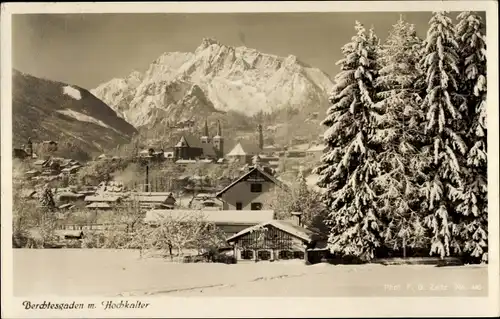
x,y
256,206
285,254
256,188
264,255
298,255
239,206
247,254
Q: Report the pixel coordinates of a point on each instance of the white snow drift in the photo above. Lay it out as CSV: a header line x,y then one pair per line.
x,y
83,117
71,91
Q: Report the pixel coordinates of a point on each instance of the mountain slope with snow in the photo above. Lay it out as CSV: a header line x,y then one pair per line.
x,y
50,110
225,78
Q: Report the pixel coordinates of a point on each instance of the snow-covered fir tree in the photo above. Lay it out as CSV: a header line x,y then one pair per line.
x,y
444,185
399,87
349,167
474,206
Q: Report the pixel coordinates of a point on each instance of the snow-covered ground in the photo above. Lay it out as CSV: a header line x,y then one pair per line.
x,y
89,272
71,91
82,117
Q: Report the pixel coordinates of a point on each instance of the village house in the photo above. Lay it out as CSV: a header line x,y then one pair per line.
x,y
249,191
275,240
229,221
102,202
153,200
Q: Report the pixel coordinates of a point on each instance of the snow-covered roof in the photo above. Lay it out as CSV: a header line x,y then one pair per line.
x,y
245,217
283,225
149,199
98,205
263,172
191,141
243,149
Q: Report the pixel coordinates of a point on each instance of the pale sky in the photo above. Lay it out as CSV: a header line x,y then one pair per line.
x,y
89,49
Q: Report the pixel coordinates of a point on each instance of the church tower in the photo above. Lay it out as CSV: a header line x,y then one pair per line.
x,y
219,141
205,139
30,147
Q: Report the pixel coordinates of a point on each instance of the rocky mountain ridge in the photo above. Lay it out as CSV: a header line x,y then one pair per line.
x,y
214,78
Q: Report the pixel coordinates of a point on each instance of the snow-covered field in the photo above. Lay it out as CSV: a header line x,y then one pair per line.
x,y
89,272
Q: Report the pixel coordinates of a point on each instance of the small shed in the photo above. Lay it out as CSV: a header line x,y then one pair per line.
x,y
273,240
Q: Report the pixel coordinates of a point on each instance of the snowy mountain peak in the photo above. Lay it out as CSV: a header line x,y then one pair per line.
x,y
223,77
206,42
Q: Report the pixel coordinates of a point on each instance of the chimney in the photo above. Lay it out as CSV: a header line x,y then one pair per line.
x,y
297,218
261,138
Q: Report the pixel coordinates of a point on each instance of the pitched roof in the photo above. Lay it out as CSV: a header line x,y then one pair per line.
x,y
192,141
249,217
267,175
283,225
208,150
244,148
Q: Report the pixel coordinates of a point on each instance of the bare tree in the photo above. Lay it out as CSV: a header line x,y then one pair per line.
x,y
187,231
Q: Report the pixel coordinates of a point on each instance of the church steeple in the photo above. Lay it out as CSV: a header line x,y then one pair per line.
x,y
219,129
205,139
219,141
206,127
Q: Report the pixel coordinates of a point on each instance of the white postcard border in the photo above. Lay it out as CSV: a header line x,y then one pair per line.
x,y
256,307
